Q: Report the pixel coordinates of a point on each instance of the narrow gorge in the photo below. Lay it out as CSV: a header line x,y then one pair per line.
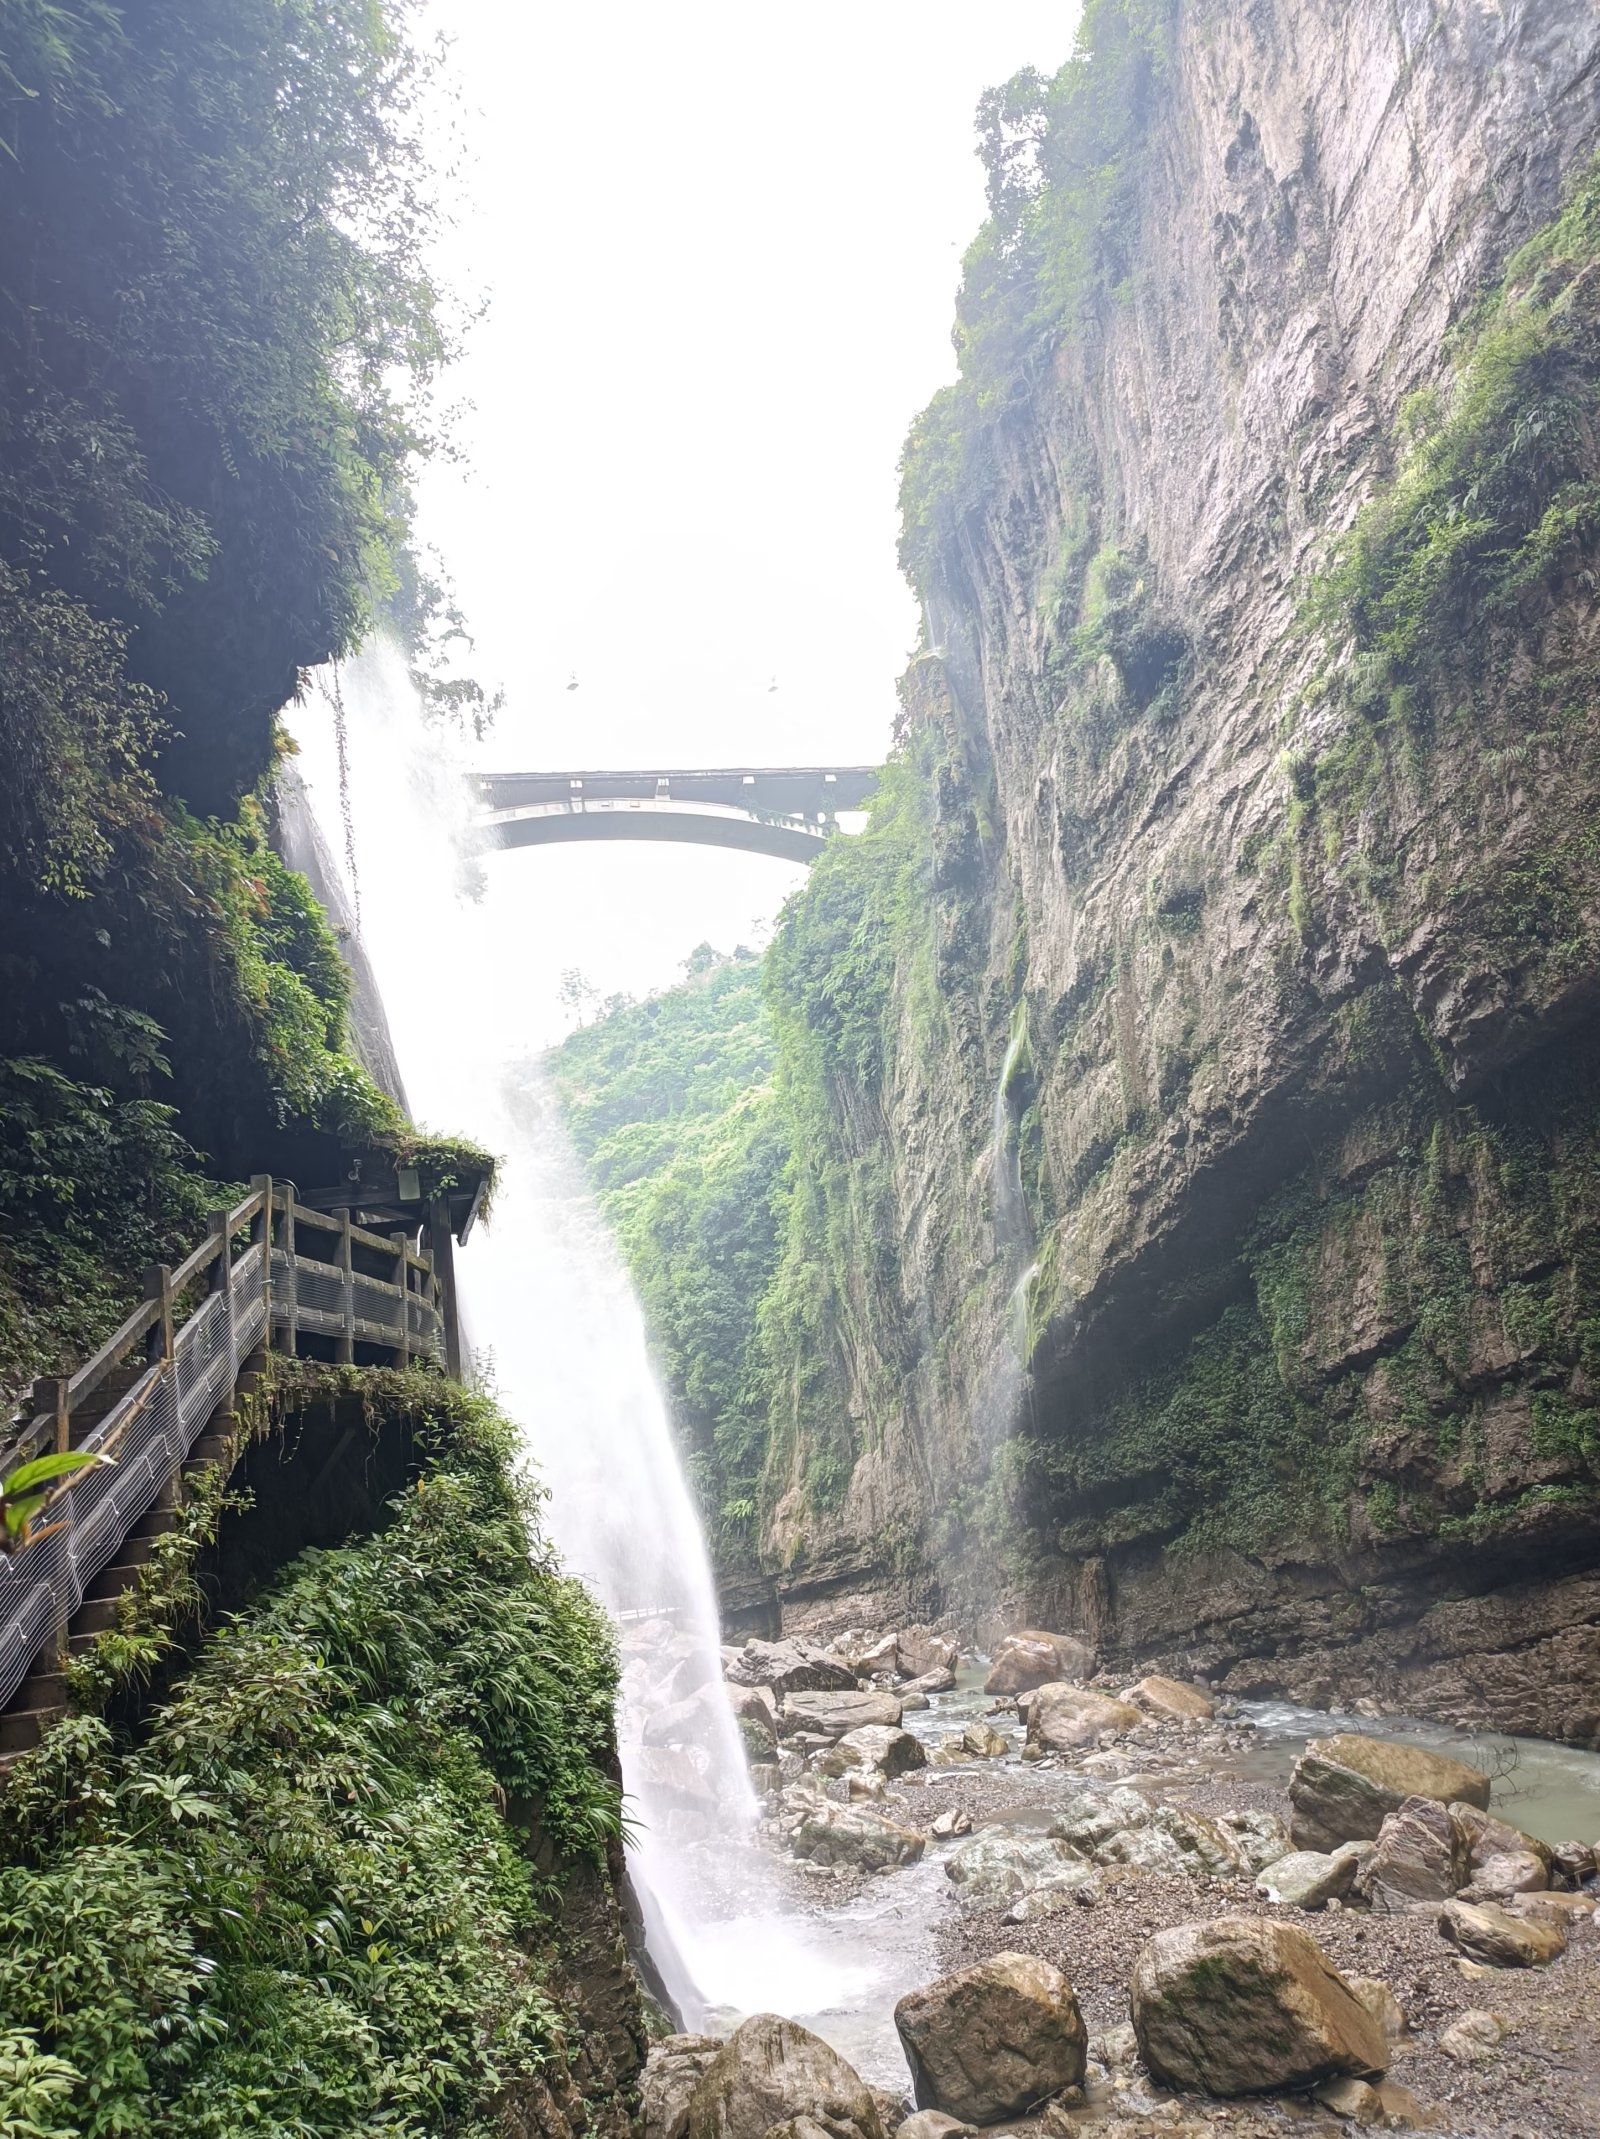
x,y
1235,884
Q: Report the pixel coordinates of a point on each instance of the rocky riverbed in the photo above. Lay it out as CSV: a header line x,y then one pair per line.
x,y
917,1823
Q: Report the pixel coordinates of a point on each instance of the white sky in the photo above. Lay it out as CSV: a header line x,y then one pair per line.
x,y
720,246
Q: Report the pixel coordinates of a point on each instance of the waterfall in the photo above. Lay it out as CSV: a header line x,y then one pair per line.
x,y
557,1333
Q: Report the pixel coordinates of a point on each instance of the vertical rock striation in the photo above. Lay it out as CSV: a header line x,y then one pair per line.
x,y
1256,920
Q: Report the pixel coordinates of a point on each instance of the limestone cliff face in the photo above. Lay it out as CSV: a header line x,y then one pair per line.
x,y
1289,1367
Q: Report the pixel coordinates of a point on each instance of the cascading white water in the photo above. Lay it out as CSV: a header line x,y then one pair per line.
x,y
557,1330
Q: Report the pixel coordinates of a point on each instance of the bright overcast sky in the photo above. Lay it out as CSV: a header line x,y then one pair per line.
x,y
720,246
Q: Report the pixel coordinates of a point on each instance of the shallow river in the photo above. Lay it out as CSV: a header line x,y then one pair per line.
x,y
856,1956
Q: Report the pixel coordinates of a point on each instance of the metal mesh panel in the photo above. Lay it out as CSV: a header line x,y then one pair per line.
x,y
376,1302
148,1433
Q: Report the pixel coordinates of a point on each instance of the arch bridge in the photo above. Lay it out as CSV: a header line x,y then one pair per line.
x,y
790,811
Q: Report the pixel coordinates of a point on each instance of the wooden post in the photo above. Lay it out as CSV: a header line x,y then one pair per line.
x,y
261,1230
347,1342
291,1280
50,1394
158,1286
402,1271
222,1281
444,1263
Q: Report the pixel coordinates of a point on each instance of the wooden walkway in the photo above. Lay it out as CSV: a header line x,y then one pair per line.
x,y
158,1399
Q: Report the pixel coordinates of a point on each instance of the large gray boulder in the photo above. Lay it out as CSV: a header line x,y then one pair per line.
x,y
1033,1658
856,1836
999,1865
992,2040
879,1746
1246,2005
831,1715
1063,1717
1421,1856
789,1667
1309,1879
672,2072
770,2071
693,1721
923,1651
1344,1788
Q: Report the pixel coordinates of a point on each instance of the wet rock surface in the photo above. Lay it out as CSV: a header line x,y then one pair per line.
x,y
1081,1858
1344,1788
1242,2005
770,2071
993,2040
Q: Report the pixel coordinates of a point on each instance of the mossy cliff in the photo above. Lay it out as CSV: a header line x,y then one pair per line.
x,y
1194,1232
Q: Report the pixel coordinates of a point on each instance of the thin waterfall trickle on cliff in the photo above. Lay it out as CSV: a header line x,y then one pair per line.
x,y
557,1333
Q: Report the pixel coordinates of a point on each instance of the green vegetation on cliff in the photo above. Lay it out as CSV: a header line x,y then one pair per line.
x,y
217,343
672,1108
307,1896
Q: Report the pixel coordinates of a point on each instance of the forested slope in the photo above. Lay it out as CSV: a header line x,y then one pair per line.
x,y
217,346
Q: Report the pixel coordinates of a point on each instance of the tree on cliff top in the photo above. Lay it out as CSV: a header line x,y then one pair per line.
x,y
216,337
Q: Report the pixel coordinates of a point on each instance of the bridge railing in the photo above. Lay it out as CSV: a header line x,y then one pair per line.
x,y
267,1272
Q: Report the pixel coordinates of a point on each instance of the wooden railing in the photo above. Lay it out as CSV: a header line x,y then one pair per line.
x,y
144,1399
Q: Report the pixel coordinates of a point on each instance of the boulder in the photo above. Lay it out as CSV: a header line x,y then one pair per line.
x,y
1511,1871
1344,1788
1572,1861
690,1722
1493,1935
1474,2038
985,1741
953,1822
1421,1856
1258,1838
883,1656
678,1774
757,1704
1062,1717
1245,2005
1093,1816
672,2072
1308,1879
1381,2002
790,1667
926,1682
992,2040
1490,1837
1172,1700
878,1745
1355,2100
1032,1658
771,2070
923,1651
931,2124
853,1835
830,1715
999,1865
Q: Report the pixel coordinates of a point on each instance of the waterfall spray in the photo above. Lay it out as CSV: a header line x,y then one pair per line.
x,y
559,1336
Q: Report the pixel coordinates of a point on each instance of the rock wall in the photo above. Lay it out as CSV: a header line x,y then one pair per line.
x,y
1273,1017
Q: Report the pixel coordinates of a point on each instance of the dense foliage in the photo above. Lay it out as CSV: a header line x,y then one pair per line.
x,y
212,322
672,1107
299,1904
216,348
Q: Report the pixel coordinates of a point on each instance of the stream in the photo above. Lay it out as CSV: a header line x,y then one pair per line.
x,y
882,1940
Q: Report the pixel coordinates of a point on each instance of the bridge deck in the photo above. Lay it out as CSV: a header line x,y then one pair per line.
x,y
788,811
